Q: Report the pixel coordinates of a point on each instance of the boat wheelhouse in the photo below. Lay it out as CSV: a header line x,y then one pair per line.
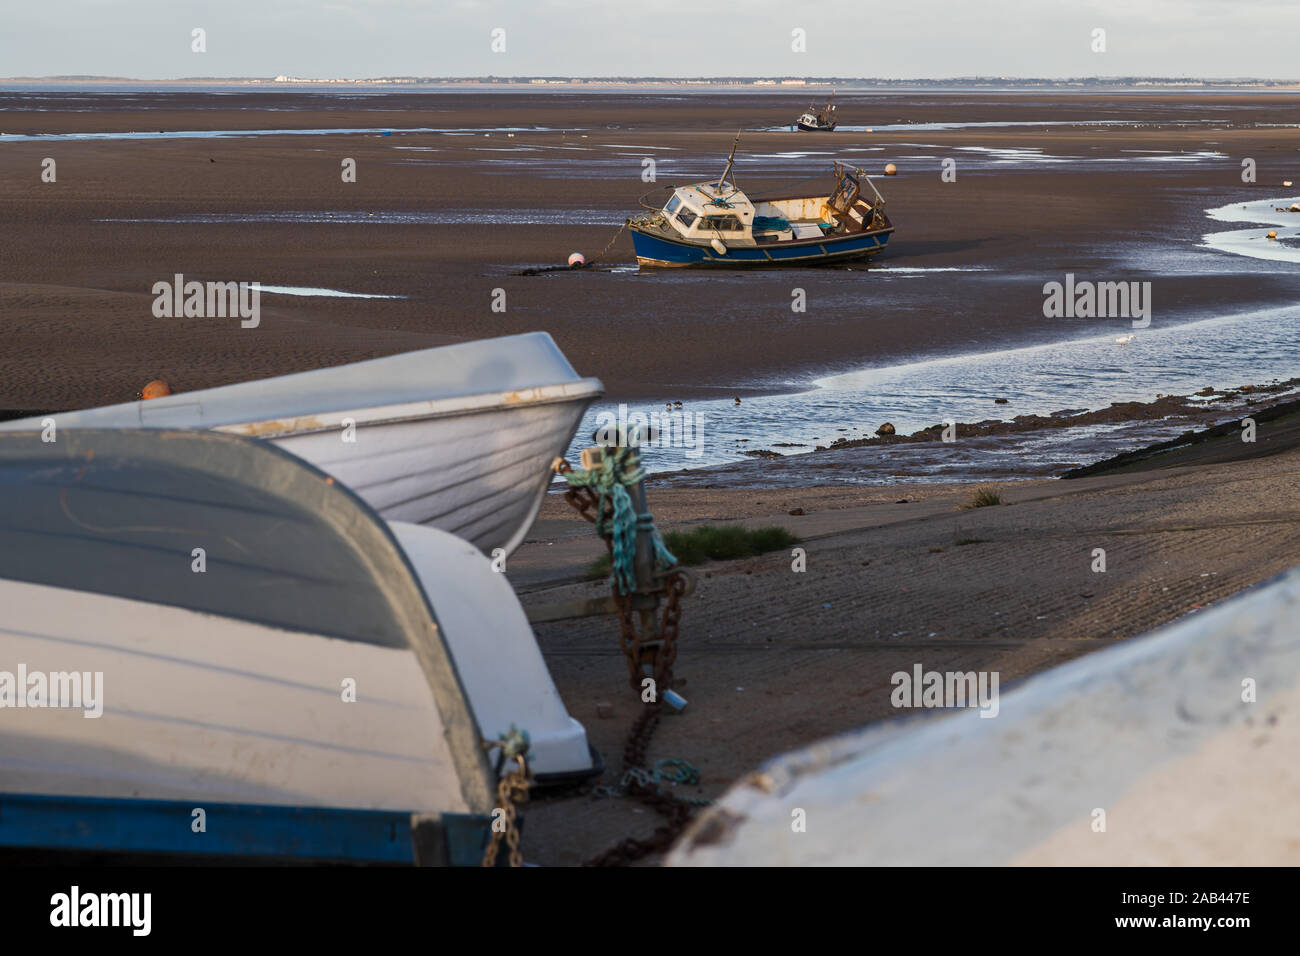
x,y
717,224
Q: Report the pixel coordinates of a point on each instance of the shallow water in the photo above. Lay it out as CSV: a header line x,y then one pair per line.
x,y
995,124
1255,242
1079,374
228,133
1090,372
328,293
431,217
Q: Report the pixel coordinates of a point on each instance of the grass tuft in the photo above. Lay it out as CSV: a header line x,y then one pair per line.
x,y
983,498
714,543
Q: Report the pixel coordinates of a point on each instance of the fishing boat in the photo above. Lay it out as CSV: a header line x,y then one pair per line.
x,y
225,627
819,120
716,224
460,438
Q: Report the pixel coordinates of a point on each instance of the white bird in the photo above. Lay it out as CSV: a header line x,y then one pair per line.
x,y
1125,339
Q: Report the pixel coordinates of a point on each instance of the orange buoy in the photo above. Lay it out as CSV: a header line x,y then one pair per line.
x,y
156,389
891,169
1272,235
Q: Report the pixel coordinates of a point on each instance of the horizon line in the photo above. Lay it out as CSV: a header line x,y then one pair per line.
x,y
569,78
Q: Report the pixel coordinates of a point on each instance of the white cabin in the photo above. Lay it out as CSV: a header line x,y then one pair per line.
x,y
703,212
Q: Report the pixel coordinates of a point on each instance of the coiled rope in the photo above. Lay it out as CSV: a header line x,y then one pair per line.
x,y
619,468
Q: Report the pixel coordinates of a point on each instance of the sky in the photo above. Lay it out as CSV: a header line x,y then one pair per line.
x,y
152,39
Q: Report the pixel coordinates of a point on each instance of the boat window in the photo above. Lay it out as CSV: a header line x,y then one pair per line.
x,y
686,217
672,205
722,223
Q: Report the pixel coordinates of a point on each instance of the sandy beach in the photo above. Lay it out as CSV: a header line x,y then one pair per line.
x,y
458,193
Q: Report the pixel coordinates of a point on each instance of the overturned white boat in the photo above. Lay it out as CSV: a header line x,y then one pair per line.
x,y
460,437
198,621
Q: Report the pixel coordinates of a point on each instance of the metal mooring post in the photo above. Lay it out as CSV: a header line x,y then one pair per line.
x,y
647,585
651,587
646,582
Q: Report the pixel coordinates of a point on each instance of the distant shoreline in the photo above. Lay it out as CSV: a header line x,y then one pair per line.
x,y
775,84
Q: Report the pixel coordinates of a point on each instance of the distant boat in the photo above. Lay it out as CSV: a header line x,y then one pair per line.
x,y
820,120
717,224
460,437
271,651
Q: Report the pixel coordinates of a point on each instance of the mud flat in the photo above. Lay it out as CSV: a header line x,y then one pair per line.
x,y
1119,192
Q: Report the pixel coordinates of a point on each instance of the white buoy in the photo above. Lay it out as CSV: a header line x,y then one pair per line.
x,y
718,246
576,259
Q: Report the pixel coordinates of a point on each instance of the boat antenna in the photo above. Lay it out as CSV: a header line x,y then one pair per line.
x,y
731,161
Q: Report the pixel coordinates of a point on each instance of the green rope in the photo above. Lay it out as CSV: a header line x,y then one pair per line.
x,y
680,771
676,771
620,468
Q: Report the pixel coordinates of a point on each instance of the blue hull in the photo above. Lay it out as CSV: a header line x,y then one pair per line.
x,y
250,833
657,251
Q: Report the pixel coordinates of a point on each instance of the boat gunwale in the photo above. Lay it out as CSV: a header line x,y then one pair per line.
x,y
587,389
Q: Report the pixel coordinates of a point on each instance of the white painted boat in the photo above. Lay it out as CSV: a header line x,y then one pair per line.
x,y
460,438
1174,749
320,688
718,225
496,654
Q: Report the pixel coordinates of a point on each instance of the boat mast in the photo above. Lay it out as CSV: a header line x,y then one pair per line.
x,y
731,161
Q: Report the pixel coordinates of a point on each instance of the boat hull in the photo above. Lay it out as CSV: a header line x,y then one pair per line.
x,y
656,250
809,128
479,473
460,438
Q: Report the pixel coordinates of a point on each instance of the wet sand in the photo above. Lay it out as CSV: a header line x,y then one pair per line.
x,y
74,290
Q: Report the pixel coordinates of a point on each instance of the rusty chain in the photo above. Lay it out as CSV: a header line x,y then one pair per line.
x,y
660,656
643,787
512,790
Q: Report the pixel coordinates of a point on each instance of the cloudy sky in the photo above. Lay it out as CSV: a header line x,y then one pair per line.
x,y
151,39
